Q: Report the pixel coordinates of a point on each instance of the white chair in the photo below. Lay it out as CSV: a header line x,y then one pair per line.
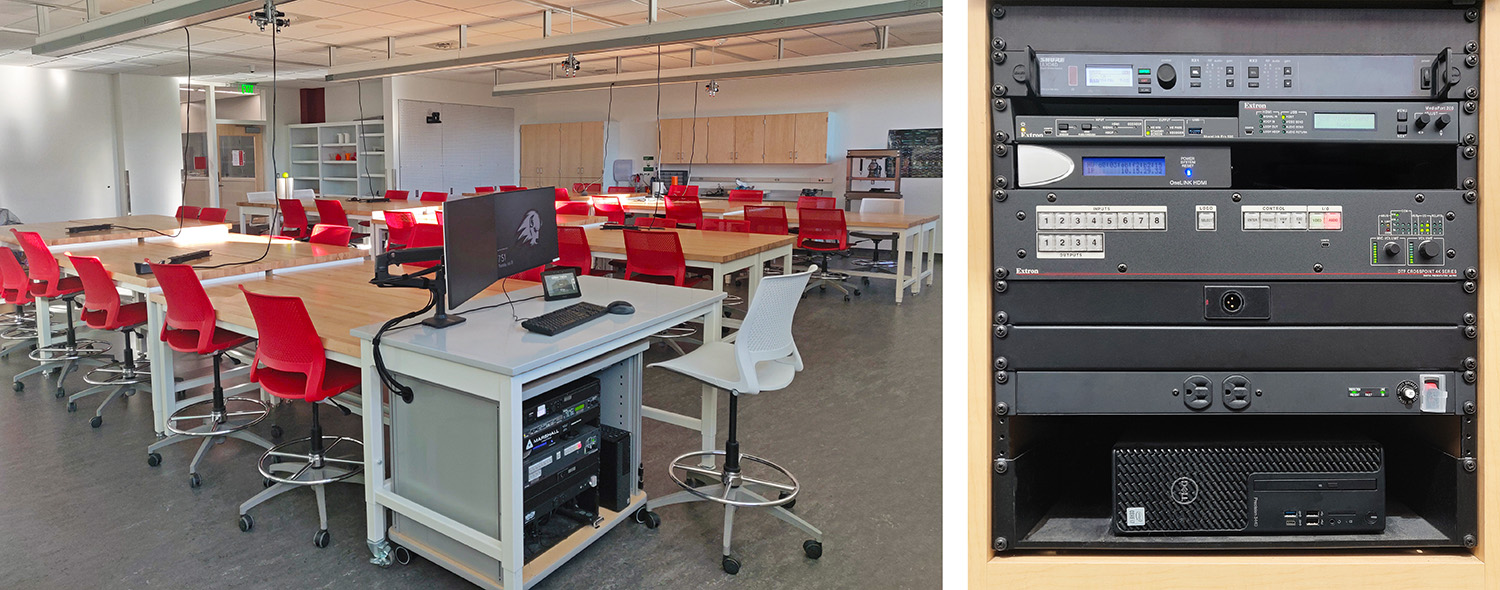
x,y
261,197
304,193
267,197
762,357
874,263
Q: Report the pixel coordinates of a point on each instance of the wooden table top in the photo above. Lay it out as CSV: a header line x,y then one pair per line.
x,y
697,246
327,292
120,259
353,207
428,216
645,206
56,233
856,220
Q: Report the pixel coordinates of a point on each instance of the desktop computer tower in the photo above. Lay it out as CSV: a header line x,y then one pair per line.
x,y
614,468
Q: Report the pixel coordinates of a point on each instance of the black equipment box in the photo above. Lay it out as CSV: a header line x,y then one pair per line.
x,y
614,468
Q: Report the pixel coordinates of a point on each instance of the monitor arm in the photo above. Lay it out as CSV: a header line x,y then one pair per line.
x,y
438,285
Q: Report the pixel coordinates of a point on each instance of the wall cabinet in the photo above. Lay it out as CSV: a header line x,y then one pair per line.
x,y
560,154
795,138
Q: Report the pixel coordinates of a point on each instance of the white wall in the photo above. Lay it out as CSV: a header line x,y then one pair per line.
x,y
341,102
57,140
153,148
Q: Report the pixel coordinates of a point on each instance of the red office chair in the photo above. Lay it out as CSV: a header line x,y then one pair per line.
x,y
561,195
213,214
572,208
102,310
189,327
398,225
510,187
294,222
396,195
573,251
608,207
422,236
290,363
331,235
15,289
187,212
586,188
766,220
47,282
657,257
729,225
658,222
746,196
484,189
682,190
806,202
621,189
823,233
434,197
685,210
331,212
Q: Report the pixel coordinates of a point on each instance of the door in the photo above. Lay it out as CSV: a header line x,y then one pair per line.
x,y
781,139
695,133
812,139
672,151
239,166
750,139
720,140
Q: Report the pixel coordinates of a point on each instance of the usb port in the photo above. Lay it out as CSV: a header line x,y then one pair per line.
x,y
1195,131
1291,518
1313,518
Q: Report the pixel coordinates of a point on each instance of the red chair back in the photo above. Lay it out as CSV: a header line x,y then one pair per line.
x,y
682,190
746,196
433,197
608,207
213,214
188,307
187,212
484,189
573,249
331,235
99,294
331,212
685,209
511,187
293,218
396,195
573,208
288,343
806,202
822,225
398,225
422,236
41,267
767,220
654,222
731,225
561,195
655,253
14,286
622,189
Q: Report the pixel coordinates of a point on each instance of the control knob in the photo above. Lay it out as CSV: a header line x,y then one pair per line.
x,y
1442,121
1406,392
1166,76
1392,249
1430,249
1423,120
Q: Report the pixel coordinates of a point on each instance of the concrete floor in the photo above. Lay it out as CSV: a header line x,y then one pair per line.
x,y
860,427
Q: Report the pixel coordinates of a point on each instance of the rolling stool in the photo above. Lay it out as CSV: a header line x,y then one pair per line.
x,y
824,233
762,358
297,368
15,289
102,311
189,327
47,282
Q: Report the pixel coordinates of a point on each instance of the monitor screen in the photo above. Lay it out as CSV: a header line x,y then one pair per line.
x,y
490,237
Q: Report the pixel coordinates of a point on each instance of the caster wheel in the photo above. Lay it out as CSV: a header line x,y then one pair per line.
x,y
787,505
246,523
403,555
266,482
72,407
731,565
812,548
822,289
322,538
867,281
17,386
804,295
153,459
846,299
275,431
96,421
648,518
726,313
857,293
60,392
195,482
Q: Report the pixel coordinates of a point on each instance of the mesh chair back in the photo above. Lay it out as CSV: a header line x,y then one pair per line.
x,y
188,307
682,190
609,207
766,333
331,212
288,341
434,197
654,222
572,208
655,253
41,267
622,189
396,195
484,189
304,193
331,235
13,282
561,195
261,196
398,225
806,202
422,236
213,214
730,225
293,218
187,212
895,206
746,196
685,209
767,220
573,248
825,226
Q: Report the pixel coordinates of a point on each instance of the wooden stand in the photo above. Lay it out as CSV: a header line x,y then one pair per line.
x,y
857,160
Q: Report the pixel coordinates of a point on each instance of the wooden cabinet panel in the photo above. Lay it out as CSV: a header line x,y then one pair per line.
x,y
781,139
695,137
812,138
750,139
671,141
591,148
540,149
721,141
570,161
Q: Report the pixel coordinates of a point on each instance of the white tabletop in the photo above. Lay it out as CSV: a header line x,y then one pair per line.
x,y
493,341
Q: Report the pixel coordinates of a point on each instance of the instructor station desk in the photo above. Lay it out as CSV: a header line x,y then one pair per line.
x,y
455,481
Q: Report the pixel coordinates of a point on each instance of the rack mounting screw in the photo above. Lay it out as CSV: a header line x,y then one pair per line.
x,y
1470,196
1002,409
1000,102
1470,15
1471,92
1002,377
1468,407
1000,195
1470,541
1470,465
1001,273
1001,363
1000,286
999,12
1470,363
1470,318
999,90
1470,377
1471,60
998,44
1001,332
1471,273
1021,253
1235,197
1470,106
1471,47
998,57
1122,268
1470,287
1471,139
1421,197
1001,465
1020,216
1471,332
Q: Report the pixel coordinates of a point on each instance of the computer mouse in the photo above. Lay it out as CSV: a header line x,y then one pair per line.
x,y
620,307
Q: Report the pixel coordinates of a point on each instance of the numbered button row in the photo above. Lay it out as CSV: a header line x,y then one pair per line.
x,y
1070,242
1152,220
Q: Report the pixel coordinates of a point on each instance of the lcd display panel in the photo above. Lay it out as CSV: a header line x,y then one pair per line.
x,y
1124,166
1109,76
1344,121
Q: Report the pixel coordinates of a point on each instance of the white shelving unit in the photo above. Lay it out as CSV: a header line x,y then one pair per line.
x,y
314,147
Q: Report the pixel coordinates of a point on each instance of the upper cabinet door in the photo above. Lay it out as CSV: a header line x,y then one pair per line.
x,y
695,140
591,143
812,138
571,160
539,150
671,141
781,139
721,141
750,139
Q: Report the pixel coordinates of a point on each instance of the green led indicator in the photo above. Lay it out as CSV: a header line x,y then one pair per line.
x,y
1145,71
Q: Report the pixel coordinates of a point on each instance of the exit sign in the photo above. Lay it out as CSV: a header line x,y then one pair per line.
x,y
247,88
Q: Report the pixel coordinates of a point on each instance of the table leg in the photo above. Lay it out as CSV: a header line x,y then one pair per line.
x,y
373,417
917,250
512,519
931,252
901,247
244,221
163,374
377,239
709,411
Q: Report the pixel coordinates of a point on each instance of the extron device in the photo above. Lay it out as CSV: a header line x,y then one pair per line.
x,y
1234,271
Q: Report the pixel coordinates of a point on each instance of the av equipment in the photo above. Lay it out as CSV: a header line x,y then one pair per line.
x,y
1318,487
614,468
1251,235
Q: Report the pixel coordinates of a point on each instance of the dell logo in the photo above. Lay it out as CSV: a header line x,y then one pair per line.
x,y
1184,491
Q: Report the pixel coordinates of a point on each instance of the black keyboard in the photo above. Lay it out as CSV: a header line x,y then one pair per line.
x,y
556,322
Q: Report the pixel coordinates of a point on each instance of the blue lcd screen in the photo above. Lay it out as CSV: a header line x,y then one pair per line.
x,y
1124,166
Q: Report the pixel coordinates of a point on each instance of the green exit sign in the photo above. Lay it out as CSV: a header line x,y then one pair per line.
x,y
247,88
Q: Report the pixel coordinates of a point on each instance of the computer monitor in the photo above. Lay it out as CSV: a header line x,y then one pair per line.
x,y
490,237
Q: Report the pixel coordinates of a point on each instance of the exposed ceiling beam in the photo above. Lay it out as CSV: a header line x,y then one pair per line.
x,y
765,19
137,22
857,60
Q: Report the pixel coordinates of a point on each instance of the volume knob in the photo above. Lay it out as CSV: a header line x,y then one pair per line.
x,y
1423,119
1392,249
1166,76
1443,120
1430,249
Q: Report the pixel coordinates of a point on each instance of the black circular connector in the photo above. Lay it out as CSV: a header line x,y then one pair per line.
x,y
1232,302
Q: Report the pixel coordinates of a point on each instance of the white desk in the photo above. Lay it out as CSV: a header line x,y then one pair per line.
x,y
491,363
